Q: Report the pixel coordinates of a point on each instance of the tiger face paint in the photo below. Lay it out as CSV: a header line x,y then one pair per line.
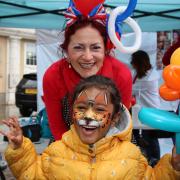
x,y
92,114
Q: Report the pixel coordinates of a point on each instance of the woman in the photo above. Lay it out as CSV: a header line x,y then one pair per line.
x,y
97,146
146,92
145,82
87,54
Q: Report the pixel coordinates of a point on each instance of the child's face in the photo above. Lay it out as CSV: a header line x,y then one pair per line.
x,y
92,114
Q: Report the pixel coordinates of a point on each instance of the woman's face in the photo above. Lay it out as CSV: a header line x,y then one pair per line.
x,y
92,114
86,51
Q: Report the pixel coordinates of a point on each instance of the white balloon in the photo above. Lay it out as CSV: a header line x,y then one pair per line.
x,y
112,33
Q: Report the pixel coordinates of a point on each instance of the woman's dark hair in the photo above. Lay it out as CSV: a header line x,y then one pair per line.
x,y
81,23
103,83
141,61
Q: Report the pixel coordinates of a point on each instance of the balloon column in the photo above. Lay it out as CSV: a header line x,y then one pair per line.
x,y
93,9
169,91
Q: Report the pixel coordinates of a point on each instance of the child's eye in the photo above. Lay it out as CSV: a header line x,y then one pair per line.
x,y
81,108
100,109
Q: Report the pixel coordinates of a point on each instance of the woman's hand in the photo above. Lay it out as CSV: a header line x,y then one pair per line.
x,y
14,135
175,160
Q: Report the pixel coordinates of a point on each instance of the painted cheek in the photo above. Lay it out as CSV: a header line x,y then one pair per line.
x,y
105,118
77,115
108,118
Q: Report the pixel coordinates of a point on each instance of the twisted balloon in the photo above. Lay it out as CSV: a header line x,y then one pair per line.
x,y
170,90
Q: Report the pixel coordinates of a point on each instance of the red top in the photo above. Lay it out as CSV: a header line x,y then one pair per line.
x,y
59,80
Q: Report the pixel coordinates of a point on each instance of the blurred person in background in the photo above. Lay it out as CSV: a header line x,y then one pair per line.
x,y
146,93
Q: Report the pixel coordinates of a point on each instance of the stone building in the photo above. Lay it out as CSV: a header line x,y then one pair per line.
x,y
17,57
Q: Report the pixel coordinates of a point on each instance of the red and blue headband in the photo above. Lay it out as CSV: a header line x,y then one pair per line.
x,y
75,11
93,9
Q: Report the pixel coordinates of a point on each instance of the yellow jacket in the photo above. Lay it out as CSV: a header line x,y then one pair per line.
x,y
113,157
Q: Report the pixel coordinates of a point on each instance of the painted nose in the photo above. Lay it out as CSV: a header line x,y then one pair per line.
x,y
89,114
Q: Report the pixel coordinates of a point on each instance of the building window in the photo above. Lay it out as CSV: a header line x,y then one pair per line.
x,y
30,54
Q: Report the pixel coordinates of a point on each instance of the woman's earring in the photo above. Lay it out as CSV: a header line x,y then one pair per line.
x,y
69,63
69,66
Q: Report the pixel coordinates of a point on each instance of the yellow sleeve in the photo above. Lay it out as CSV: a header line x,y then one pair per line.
x,y
163,170
24,162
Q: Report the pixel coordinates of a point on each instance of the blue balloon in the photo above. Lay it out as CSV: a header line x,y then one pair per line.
x,y
128,11
163,120
120,18
160,119
130,8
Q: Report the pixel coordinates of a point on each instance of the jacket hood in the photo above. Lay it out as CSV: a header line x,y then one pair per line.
x,y
123,127
120,132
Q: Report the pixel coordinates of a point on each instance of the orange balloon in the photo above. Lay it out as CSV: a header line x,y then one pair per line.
x,y
168,94
175,58
171,75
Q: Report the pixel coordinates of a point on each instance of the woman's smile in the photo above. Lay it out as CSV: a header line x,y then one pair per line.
x,y
87,65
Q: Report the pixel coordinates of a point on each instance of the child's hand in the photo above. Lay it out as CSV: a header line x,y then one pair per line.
x,y
14,134
175,160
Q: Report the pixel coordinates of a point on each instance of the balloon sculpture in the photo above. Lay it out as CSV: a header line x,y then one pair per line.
x,y
113,21
169,91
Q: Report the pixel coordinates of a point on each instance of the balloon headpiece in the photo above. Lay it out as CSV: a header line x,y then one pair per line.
x,y
94,10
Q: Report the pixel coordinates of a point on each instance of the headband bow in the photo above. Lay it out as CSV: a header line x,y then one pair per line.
x,y
76,11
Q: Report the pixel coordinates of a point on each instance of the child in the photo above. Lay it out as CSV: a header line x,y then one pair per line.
x,y
96,147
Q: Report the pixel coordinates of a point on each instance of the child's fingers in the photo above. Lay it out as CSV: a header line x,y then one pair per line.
x,y
2,132
9,124
11,119
15,122
13,125
14,119
14,128
6,122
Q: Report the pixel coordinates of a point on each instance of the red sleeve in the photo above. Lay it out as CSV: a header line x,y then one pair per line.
x,y
123,79
52,99
126,89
